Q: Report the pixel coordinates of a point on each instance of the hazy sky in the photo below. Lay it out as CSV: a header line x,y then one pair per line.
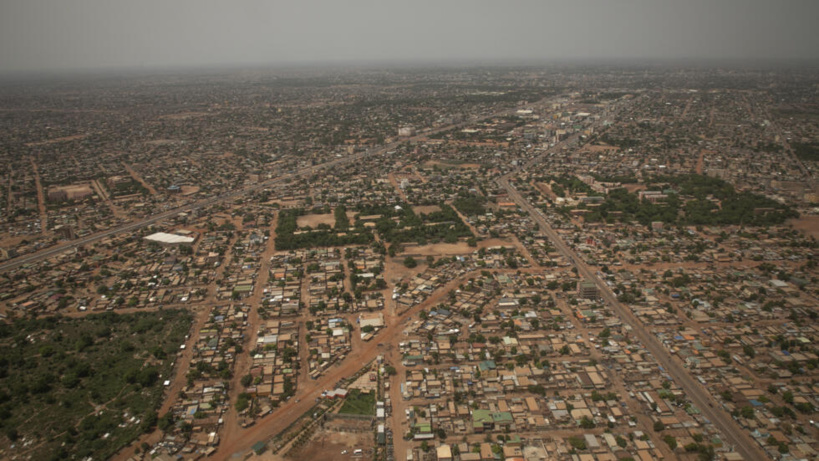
x,y
71,34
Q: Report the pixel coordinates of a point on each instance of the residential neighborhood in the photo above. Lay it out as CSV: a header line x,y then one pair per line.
x,y
509,264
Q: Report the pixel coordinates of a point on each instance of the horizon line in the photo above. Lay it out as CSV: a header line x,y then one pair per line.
x,y
708,62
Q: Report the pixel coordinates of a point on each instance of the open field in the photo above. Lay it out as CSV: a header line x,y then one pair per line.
x,y
11,241
632,188
439,249
426,209
448,249
809,225
600,148
330,445
313,220
546,190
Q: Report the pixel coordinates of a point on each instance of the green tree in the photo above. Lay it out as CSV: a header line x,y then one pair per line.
x,y
787,396
243,402
670,441
659,426
578,443
165,422
586,423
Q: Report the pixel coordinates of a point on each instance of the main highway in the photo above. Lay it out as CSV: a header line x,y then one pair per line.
x,y
56,249
131,226
735,435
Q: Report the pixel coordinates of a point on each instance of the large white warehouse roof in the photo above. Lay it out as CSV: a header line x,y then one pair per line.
x,y
163,237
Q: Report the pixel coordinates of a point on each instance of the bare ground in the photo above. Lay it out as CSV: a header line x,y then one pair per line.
x,y
12,241
808,225
460,248
439,249
426,209
634,187
313,220
547,190
328,444
189,190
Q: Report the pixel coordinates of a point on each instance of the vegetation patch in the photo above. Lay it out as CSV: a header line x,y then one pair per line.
x,y
563,184
692,200
472,205
84,388
289,236
358,403
808,152
402,225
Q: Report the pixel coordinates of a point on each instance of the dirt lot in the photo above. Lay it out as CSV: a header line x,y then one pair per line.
x,y
395,270
809,225
328,444
189,190
11,242
634,187
313,220
601,148
426,209
447,249
546,190
439,249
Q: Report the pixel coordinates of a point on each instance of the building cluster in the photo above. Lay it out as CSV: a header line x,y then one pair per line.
x,y
482,230
197,413
275,366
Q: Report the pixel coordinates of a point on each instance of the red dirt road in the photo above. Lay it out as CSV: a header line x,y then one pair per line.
x,y
308,391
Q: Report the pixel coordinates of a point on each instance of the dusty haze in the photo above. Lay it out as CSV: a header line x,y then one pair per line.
x,y
56,34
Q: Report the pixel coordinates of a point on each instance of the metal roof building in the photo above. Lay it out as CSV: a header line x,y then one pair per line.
x,y
162,237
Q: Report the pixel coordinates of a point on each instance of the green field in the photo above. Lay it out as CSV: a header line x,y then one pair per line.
x,y
358,403
77,388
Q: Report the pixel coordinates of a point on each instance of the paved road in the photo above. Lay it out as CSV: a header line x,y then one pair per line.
x,y
735,435
54,250
291,410
51,251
